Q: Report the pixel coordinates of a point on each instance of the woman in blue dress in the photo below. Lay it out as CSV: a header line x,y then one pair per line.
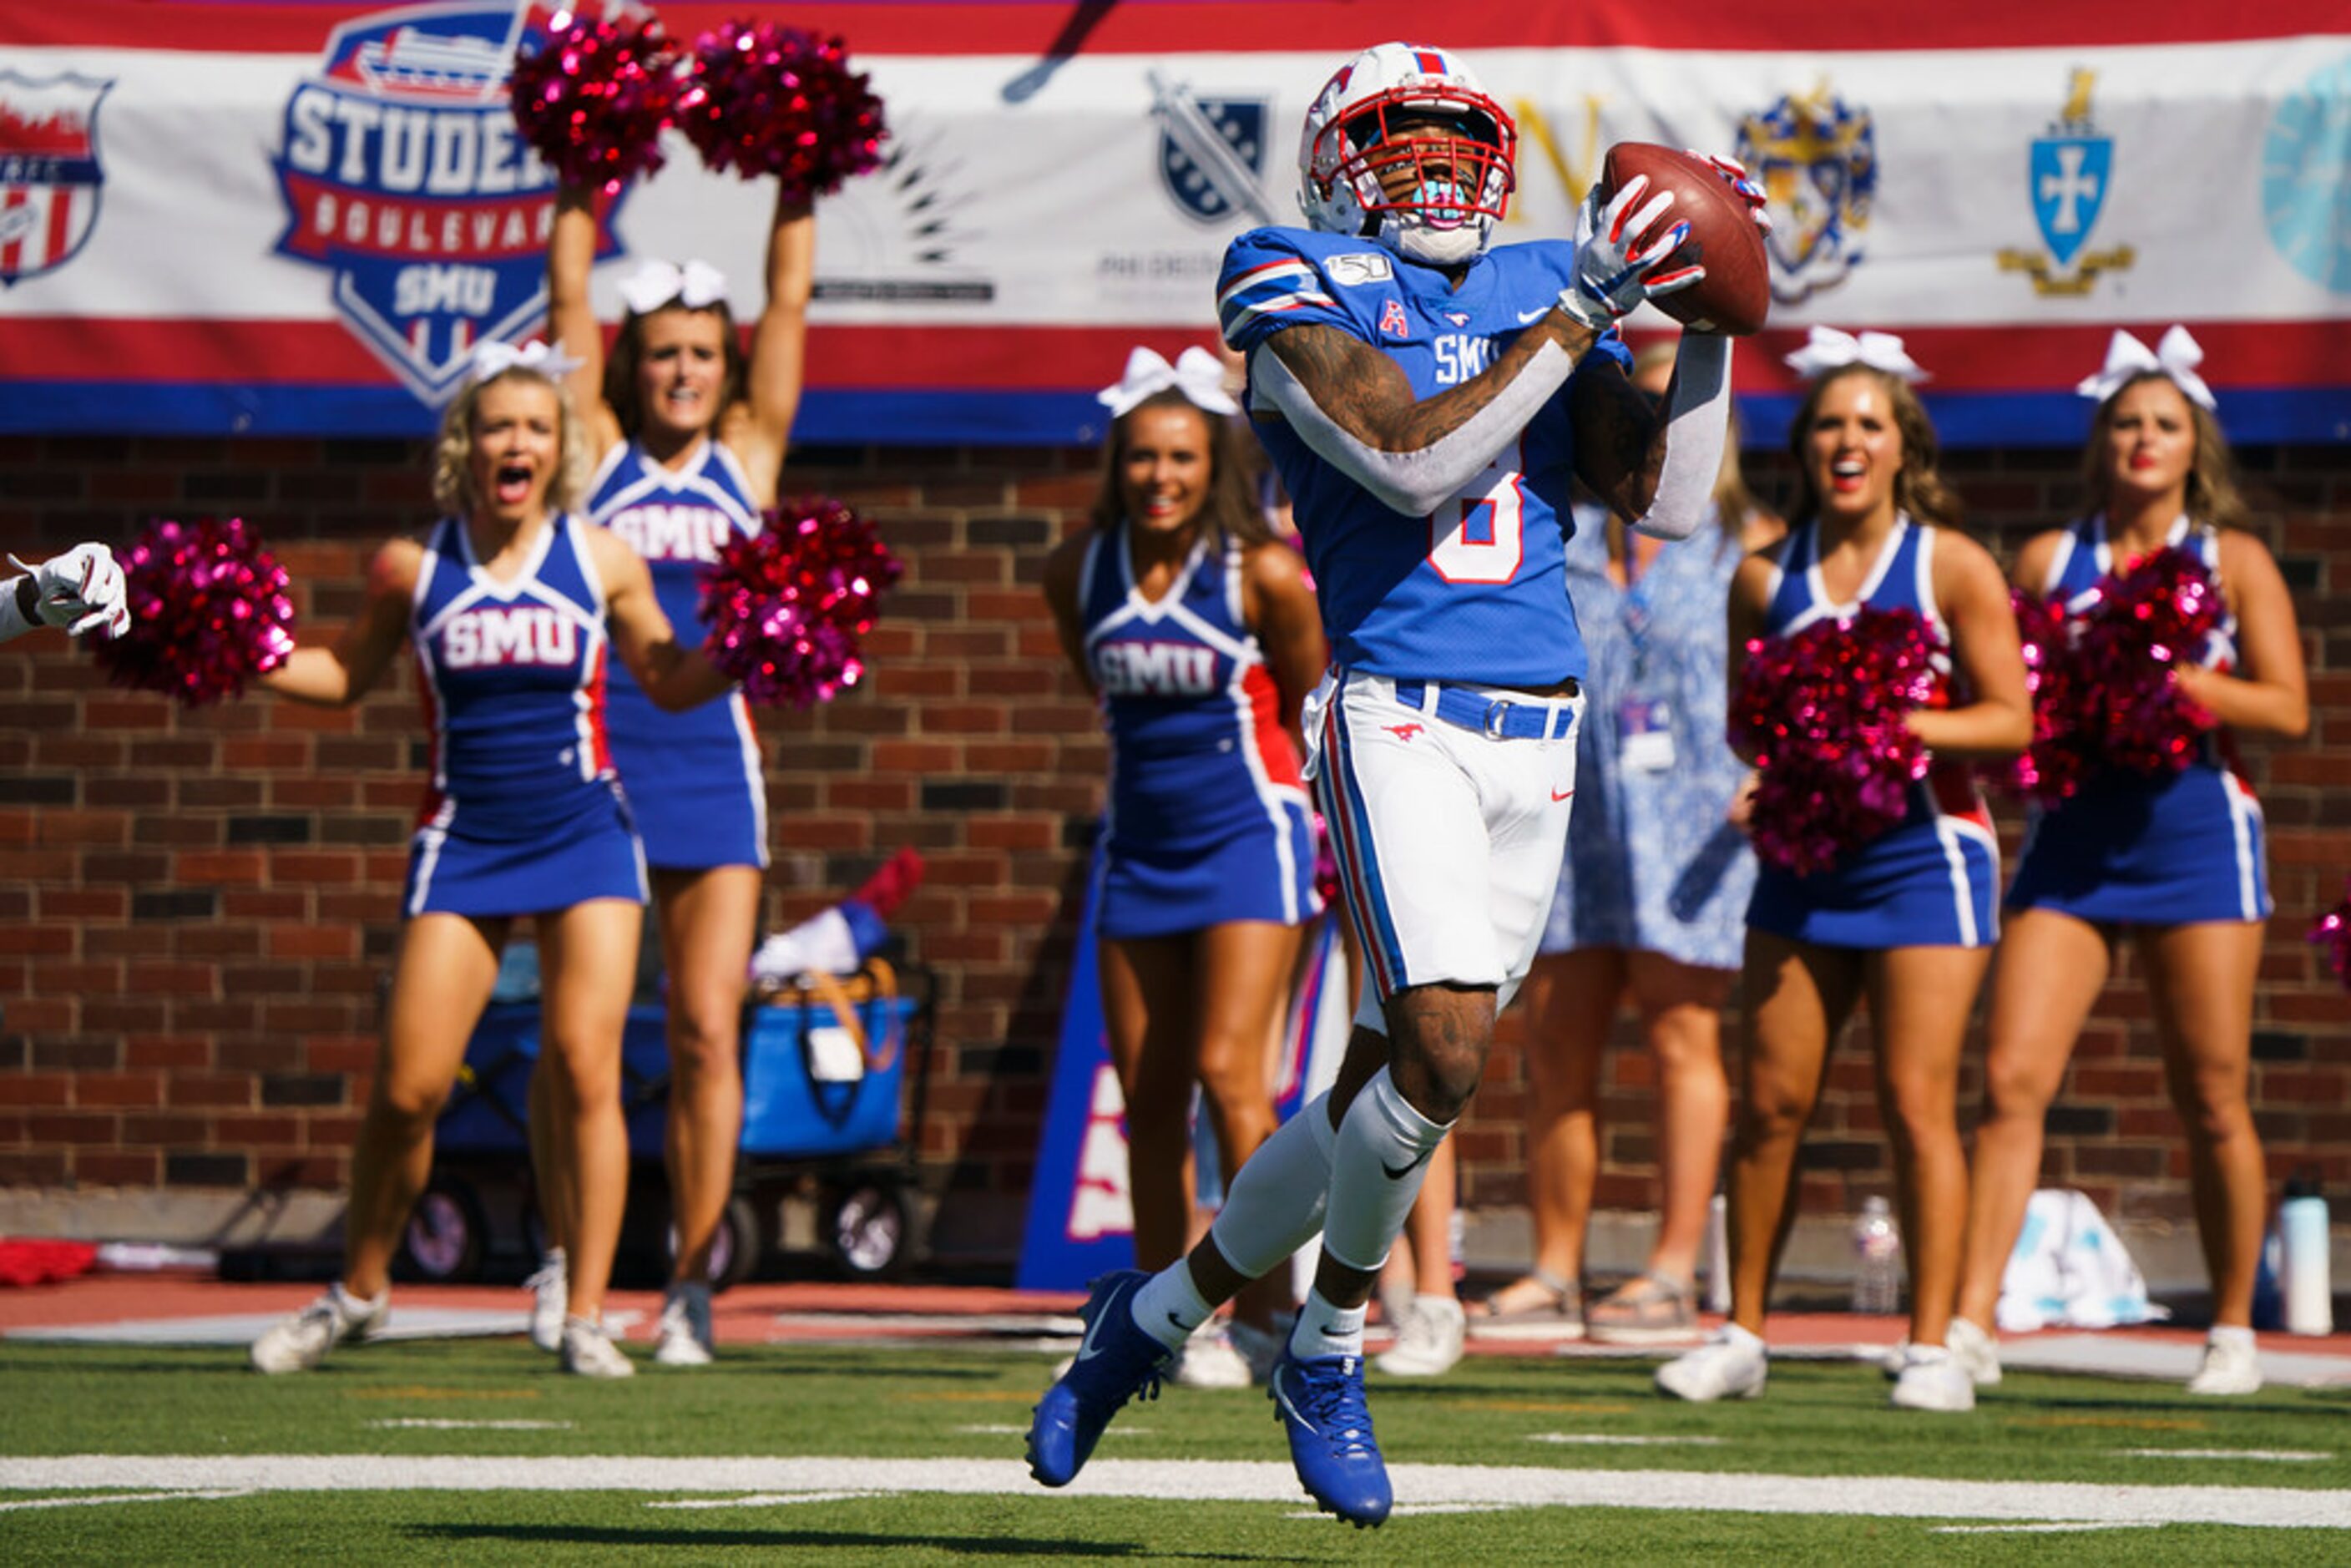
x,y
515,609
1906,919
2173,864
1651,910
1197,632
686,436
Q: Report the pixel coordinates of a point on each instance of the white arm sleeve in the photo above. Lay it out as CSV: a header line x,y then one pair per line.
x,y
1696,418
12,618
1412,483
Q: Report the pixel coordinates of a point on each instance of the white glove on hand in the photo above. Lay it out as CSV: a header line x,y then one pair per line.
x,y
1740,179
80,590
1619,256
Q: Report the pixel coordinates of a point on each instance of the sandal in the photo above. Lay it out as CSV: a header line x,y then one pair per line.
x,y
1558,1314
1651,1308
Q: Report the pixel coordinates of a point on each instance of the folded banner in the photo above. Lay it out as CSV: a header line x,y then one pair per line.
x,y
220,217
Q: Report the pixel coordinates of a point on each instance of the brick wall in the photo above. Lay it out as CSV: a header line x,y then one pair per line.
x,y
196,907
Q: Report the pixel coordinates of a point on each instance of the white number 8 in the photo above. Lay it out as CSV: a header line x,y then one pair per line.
x,y
1478,535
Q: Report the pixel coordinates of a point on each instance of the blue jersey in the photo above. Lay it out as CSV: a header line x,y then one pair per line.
x,y
1474,593
694,778
1209,817
2131,849
1932,879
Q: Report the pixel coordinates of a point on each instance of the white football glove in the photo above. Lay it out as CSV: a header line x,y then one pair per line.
x,y
80,590
1750,190
1620,252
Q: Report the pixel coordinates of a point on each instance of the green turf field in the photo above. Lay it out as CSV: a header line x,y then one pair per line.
x,y
479,1451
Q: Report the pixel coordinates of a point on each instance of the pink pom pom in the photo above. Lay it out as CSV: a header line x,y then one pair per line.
x,y
2147,623
2054,766
593,102
2332,934
786,606
1822,713
767,100
208,611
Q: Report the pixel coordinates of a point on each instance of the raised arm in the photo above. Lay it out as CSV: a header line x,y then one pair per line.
x,y
1998,720
643,637
761,429
2269,693
1657,469
572,319
338,673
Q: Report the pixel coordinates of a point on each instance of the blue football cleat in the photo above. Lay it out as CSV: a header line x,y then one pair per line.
x,y
1320,1404
1115,1362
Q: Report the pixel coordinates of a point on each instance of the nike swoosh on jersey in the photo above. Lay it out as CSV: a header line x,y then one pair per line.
x,y
1397,1172
1558,795
1537,314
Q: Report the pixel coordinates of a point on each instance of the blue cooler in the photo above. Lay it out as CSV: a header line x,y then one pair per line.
x,y
811,1086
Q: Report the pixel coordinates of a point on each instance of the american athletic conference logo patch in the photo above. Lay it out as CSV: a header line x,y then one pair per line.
x,y
404,177
50,177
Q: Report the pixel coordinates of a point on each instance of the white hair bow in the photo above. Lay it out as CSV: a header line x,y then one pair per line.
x,y
495,357
2176,356
697,286
1826,349
1197,374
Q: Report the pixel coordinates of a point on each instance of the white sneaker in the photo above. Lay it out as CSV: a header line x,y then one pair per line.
x,y
1932,1379
1428,1341
302,1341
2231,1366
1258,1348
1210,1361
550,1291
1977,1352
588,1350
1731,1365
685,1336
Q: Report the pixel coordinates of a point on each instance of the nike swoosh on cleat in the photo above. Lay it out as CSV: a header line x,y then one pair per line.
x,y
1397,1172
1087,1348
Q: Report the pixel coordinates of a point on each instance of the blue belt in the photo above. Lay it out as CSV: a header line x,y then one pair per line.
x,y
1497,717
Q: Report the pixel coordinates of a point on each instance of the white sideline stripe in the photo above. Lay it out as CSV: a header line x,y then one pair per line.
x,y
764,1499
1619,1439
447,1424
118,1497
1229,1480
2279,1456
1023,1431
2054,1528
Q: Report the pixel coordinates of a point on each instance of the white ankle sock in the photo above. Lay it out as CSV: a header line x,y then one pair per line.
x,y
1170,1306
2229,1333
1325,1330
1376,1168
1274,1206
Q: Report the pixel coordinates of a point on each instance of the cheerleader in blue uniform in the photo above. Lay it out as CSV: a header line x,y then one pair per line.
x,y
515,609
2175,863
1197,632
687,434
1907,919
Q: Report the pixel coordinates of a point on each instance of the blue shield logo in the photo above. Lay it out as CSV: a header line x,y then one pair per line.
x,y
50,178
405,179
2069,175
1211,154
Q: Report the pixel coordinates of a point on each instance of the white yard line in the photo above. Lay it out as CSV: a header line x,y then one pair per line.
x,y
83,1500
2277,1456
441,1424
1441,1486
1620,1440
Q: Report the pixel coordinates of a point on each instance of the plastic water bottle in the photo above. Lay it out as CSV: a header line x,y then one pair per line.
x,y
1877,1260
2304,1282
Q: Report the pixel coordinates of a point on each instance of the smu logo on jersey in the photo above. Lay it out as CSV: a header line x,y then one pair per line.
x,y
674,533
1156,670
49,174
524,634
404,177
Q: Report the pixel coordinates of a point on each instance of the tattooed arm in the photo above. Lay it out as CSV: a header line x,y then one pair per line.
x,y
1354,406
1657,472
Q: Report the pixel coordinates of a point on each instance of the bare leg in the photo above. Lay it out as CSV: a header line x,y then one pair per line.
x,y
2202,977
1919,1000
551,1162
2046,976
707,921
1242,985
589,954
1571,1001
441,981
1681,1018
1797,997
1151,998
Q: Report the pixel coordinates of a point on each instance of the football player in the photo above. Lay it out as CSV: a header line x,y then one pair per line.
x,y
1428,398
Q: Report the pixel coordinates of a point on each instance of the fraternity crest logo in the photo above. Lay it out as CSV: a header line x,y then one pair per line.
x,y
405,179
1211,154
1816,157
50,178
2067,173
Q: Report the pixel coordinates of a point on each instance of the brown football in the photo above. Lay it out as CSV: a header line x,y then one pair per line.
x,y
1735,295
